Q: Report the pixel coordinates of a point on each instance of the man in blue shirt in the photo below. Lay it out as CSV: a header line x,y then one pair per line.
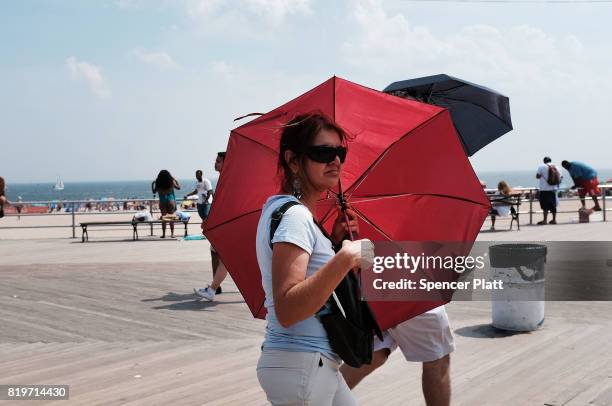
x,y
584,178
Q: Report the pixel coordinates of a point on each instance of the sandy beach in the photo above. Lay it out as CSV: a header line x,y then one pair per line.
x,y
117,321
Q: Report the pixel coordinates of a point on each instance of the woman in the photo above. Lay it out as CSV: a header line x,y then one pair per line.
x,y
301,270
165,185
3,199
500,208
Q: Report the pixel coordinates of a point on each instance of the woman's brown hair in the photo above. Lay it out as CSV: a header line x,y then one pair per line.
x,y
504,188
298,135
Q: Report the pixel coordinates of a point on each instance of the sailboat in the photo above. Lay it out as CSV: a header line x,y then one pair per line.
x,y
59,186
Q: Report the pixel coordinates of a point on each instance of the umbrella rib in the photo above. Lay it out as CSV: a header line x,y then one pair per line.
x,y
233,219
262,118
362,178
473,104
360,213
454,87
256,142
375,198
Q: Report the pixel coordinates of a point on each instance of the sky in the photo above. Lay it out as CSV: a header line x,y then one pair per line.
x,y
119,89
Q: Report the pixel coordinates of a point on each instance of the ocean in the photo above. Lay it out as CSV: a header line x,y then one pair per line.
x,y
528,179
136,189
141,189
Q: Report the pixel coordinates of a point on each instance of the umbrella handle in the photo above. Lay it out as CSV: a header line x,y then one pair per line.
x,y
350,233
343,207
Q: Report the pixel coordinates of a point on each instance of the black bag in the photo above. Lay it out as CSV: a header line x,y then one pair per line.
x,y
347,319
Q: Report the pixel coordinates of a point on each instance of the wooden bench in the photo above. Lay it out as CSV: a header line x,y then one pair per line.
x,y
134,224
513,200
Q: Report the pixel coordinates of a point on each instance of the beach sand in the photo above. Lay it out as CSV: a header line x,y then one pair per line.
x,y
117,321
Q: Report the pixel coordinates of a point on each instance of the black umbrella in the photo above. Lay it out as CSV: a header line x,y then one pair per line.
x,y
480,115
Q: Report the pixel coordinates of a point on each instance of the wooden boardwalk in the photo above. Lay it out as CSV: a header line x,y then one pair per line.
x,y
117,321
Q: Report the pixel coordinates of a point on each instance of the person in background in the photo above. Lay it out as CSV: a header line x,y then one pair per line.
x,y
165,185
500,208
550,179
203,190
18,207
3,200
219,269
426,338
585,178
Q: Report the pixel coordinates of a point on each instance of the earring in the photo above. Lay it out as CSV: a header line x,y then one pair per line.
x,y
297,189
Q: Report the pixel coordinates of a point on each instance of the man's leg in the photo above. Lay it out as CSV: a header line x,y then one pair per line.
x,y
436,382
428,339
543,206
215,261
353,376
219,276
596,207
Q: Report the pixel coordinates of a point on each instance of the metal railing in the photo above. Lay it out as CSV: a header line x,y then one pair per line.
x,y
74,208
529,196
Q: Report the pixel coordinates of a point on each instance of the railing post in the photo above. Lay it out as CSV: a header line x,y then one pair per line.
x,y
73,222
531,206
151,210
603,197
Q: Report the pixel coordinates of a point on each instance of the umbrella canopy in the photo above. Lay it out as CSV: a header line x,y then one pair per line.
x,y
405,175
480,115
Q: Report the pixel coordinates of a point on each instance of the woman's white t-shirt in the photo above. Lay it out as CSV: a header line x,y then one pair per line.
x,y
296,227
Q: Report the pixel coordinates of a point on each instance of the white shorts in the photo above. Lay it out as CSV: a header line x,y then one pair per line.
x,y
424,338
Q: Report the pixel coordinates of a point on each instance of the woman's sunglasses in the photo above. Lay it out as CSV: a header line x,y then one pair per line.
x,y
325,154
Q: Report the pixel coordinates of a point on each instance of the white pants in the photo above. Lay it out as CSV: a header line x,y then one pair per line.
x,y
302,378
425,338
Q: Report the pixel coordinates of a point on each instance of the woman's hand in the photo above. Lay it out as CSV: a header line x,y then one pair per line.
x,y
340,229
359,252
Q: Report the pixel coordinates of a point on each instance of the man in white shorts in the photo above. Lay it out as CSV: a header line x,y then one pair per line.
x,y
426,338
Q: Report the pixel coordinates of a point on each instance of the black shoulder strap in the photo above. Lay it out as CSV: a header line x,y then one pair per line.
x,y
277,216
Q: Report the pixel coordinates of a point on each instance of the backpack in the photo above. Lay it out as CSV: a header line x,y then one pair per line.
x,y
347,319
554,177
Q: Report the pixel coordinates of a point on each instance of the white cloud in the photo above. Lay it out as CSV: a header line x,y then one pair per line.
x,y
223,69
124,4
158,59
199,8
271,12
91,74
556,83
516,57
277,10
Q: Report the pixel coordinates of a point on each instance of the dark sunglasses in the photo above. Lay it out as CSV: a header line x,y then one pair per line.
x,y
325,154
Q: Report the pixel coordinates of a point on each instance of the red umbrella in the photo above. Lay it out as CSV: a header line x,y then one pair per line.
x,y
406,176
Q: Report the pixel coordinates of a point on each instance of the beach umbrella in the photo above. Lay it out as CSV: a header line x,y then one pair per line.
x,y
480,115
406,176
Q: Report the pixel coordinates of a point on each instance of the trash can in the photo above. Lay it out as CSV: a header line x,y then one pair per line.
x,y
519,306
